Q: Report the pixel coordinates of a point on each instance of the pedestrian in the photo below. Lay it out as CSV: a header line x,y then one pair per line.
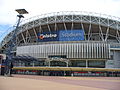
x,y
11,67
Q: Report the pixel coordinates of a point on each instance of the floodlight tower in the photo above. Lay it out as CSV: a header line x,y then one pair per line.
x,y
12,42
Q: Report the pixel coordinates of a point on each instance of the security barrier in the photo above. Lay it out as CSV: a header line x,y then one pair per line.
x,y
67,71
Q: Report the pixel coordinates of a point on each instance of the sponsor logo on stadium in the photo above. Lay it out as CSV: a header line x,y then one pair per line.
x,y
48,36
42,36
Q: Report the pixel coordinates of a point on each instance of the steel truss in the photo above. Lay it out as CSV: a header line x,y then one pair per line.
x,y
98,27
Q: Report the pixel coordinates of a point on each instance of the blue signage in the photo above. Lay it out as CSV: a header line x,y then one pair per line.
x,y
47,36
62,35
71,35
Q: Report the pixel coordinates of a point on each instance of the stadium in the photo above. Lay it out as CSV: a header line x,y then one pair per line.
x,y
68,39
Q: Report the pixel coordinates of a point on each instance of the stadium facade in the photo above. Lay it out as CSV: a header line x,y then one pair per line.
x,y
69,39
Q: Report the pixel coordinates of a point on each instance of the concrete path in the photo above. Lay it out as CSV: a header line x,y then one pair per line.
x,y
32,82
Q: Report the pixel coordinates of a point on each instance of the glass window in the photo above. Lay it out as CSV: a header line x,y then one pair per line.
x,y
78,63
96,63
57,63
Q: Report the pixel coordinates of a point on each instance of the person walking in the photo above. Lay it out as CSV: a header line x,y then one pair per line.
x,y
11,67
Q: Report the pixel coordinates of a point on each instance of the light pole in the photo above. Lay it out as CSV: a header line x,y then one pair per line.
x,y
12,42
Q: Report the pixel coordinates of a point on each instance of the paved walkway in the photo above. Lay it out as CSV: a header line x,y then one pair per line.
x,y
33,82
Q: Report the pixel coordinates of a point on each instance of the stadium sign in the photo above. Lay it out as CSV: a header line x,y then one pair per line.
x,y
71,35
62,35
48,36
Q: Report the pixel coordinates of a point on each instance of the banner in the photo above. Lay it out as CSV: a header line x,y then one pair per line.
x,y
71,35
61,35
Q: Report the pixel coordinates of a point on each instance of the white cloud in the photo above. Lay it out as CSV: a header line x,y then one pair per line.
x,y
37,7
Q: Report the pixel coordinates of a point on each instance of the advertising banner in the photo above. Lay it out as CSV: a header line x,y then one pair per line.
x,y
47,36
62,35
71,35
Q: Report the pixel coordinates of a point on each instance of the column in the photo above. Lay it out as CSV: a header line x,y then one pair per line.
x,y
86,63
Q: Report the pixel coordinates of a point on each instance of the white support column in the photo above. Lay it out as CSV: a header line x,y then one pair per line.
x,y
86,63
65,26
49,63
33,63
83,29
23,37
118,36
35,32
101,29
107,31
107,34
89,32
67,64
40,28
72,26
117,33
64,23
29,35
101,34
48,27
55,26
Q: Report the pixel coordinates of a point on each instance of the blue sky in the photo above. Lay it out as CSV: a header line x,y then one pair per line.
x,y
37,7
4,30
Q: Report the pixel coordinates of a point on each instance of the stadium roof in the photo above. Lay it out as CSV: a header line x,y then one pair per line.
x,y
67,16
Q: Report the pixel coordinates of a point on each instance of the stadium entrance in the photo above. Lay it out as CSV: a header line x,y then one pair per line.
x,y
57,60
